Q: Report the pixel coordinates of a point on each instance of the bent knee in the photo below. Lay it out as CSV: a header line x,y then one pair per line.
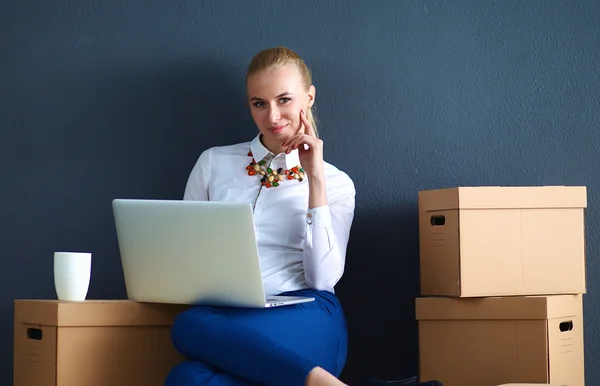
x,y
191,326
189,373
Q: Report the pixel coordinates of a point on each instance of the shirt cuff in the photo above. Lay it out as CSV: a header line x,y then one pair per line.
x,y
319,216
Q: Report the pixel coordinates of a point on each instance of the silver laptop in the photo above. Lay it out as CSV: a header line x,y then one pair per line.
x,y
191,252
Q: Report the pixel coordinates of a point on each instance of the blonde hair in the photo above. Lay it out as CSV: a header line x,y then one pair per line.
x,y
276,58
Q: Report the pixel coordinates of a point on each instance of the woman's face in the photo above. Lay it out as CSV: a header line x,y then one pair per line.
x,y
276,98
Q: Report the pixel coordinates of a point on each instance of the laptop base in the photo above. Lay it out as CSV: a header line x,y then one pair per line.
x,y
277,301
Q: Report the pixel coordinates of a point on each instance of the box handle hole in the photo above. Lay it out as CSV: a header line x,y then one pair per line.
x,y
438,220
566,326
34,333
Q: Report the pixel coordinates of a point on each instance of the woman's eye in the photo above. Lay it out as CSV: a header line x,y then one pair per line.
x,y
284,100
258,104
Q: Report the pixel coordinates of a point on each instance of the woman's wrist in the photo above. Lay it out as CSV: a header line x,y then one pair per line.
x,y
317,191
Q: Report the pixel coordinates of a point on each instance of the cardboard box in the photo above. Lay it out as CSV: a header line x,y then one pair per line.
x,y
491,341
93,343
502,241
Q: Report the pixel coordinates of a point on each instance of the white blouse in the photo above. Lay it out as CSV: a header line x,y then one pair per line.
x,y
298,247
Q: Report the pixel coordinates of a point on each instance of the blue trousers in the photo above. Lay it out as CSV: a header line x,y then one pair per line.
x,y
227,346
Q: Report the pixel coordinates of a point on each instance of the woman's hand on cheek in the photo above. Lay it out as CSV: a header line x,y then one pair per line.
x,y
310,148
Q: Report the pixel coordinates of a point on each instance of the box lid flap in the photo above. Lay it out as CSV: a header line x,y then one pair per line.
x,y
498,308
96,313
503,197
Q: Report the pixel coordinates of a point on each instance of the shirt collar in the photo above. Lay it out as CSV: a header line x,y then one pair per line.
x,y
259,151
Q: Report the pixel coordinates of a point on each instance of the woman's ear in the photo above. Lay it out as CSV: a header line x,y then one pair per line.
x,y
311,95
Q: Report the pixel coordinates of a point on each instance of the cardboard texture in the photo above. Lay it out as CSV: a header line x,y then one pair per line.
x,y
502,241
93,343
498,340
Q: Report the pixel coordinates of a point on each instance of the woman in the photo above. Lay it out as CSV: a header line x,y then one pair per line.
x,y
303,211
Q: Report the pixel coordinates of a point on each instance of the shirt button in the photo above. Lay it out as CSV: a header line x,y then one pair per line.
x,y
309,215
309,221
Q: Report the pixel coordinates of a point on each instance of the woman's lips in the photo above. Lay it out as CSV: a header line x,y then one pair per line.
x,y
277,129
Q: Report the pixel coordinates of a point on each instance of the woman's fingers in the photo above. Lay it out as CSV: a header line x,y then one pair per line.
x,y
299,139
308,127
308,137
295,142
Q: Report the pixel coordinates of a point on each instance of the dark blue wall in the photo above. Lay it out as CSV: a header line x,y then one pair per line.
x,y
102,101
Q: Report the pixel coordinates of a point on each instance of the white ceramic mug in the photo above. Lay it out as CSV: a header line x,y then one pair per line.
x,y
72,271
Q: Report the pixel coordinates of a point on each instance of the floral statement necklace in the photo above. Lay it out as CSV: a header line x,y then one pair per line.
x,y
272,177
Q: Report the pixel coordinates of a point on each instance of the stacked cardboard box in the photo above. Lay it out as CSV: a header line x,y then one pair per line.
x,y
93,343
502,281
